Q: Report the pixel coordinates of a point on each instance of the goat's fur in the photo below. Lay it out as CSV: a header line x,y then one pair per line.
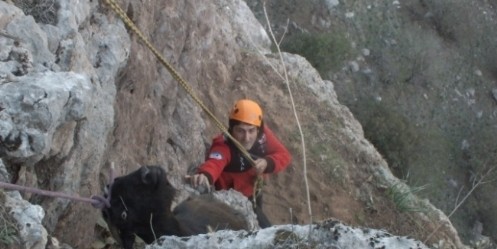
x,y
140,203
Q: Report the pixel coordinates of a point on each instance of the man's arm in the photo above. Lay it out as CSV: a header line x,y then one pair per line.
x,y
217,159
278,157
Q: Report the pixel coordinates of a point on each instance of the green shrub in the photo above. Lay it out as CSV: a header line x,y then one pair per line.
x,y
325,51
412,152
400,195
393,134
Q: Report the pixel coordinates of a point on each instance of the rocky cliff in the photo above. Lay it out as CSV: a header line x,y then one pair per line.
x,y
80,91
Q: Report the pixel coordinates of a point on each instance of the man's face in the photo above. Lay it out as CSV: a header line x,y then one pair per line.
x,y
245,134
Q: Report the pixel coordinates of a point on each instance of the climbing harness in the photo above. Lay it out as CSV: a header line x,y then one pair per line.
x,y
119,11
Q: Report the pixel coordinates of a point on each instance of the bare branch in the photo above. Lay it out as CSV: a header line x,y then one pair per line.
x,y
284,33
287,82
458,195
477,181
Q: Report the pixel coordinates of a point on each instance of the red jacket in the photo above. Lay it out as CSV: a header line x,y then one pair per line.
x,y
228,169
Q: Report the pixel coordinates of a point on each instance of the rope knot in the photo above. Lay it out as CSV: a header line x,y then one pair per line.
x,y
100,202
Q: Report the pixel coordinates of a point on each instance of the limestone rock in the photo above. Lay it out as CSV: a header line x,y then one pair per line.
x,y
331,234
29,217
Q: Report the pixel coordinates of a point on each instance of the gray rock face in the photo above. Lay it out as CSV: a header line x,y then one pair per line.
x,y
56,95
241,204
331,234
29,217
35,106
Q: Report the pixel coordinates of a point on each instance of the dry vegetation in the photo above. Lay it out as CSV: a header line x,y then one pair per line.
x,y
8,228
422,91
43,11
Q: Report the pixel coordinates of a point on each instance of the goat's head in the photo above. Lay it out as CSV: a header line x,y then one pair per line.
x,y
140,204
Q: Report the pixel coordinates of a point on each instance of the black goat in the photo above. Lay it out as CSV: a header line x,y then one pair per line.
x,y
140,203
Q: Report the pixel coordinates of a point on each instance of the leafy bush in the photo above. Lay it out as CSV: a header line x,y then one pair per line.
x,y
391,133
400,196
325,51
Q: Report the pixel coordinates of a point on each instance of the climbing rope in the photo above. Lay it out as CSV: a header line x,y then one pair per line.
x,y
96,201
120,12
43,192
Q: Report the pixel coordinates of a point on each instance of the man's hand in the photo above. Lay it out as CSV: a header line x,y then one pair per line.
x,y
198,180
260,165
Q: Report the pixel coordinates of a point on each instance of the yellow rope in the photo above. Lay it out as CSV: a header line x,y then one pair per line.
x,y
119,11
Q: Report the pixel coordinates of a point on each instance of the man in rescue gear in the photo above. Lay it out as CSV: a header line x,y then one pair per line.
x,y
226,167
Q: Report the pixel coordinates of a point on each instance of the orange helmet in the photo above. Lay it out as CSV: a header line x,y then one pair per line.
x,y
247,111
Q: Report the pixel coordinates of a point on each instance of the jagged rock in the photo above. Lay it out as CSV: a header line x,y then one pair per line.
x,y
241,204
4,174
38,105
331,234
53,123
29,217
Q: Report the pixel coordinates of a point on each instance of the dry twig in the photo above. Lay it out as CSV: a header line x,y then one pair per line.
x,y
477,181
287,82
